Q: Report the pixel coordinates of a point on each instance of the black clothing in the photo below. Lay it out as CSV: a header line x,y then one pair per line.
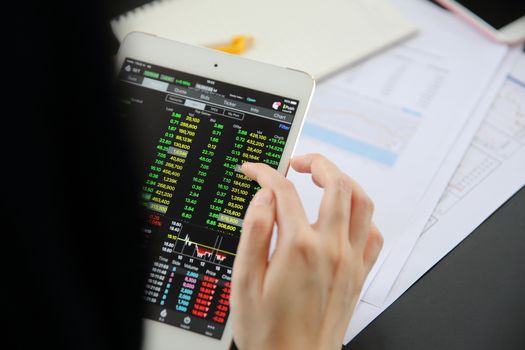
x,y
71,260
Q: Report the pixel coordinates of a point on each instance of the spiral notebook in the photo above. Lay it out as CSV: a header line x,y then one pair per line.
x,y
319,37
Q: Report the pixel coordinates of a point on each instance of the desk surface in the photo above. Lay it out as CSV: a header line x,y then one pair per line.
x,y
472,299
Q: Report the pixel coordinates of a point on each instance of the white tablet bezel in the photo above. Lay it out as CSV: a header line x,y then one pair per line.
x,y
231,69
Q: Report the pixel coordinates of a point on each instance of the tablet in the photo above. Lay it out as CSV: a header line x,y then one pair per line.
x,y
195,115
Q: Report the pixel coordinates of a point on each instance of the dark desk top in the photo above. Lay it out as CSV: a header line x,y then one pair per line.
x,y
472,299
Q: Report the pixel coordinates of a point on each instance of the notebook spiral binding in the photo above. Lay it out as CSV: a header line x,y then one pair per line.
x,y
139,9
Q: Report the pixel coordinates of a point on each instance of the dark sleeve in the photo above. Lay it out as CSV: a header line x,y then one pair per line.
x,y
71,261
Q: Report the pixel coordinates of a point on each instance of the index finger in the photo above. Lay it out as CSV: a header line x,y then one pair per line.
x,y
334,212
361,205
290,212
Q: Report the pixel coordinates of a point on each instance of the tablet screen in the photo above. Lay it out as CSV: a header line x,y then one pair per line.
x,y
191,134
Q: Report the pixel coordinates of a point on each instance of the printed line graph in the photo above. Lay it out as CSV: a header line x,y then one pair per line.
x,y
363,125
375,109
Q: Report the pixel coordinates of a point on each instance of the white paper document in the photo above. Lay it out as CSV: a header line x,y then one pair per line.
x,y
384,279
490,172
391,121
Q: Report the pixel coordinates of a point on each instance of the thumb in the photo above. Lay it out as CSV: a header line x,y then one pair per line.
x,y
372,248
252,254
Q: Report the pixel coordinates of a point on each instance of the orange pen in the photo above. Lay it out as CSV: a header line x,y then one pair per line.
x,y
237,45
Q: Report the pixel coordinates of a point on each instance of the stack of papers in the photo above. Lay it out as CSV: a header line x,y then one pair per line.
x,y
490,172
434,130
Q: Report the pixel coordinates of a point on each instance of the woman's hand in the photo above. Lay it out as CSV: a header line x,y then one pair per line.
x,y
304,296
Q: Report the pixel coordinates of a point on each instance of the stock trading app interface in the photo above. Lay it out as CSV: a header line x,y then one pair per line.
x,y
191,135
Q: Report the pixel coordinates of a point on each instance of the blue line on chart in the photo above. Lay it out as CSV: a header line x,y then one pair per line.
x,y
516,81
349,144
411,112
